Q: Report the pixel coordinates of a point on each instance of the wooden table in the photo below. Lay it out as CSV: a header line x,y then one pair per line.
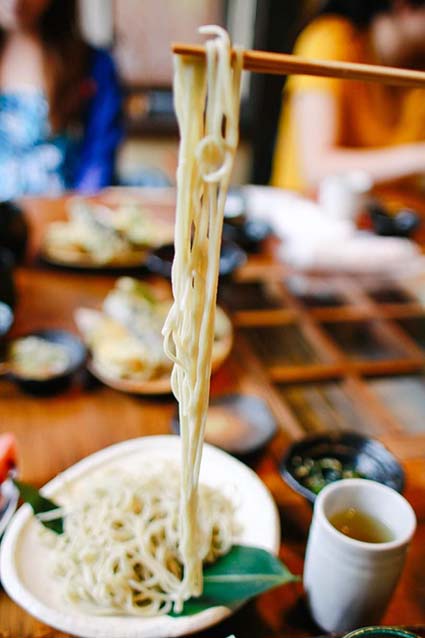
x,y
53,433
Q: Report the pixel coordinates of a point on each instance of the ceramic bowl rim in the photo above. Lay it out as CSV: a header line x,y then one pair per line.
x,y
336,437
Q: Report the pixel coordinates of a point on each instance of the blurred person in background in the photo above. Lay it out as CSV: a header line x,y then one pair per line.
x,y
59,102
330,126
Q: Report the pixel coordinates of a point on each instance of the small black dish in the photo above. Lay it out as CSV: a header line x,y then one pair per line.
x,y
406,221
13,229
239,424
138,270
56,383
249,235
160,261
7,284
6,319
367,457
403,224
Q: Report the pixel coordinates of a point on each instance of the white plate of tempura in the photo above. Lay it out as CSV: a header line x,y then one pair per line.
x,y
102,233
42,580
125,340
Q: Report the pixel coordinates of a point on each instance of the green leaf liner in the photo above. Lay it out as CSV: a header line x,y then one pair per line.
x,y
238,576
40,504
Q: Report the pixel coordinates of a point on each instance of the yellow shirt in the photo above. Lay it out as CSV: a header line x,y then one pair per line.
x,y
369,115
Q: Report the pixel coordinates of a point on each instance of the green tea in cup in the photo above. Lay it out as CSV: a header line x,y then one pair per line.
x,y
361,526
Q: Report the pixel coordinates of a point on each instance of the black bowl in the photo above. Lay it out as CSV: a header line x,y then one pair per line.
x,y
7,283
250,425
160,261
249,234
13,229
58,382
402,224
6,319
366,456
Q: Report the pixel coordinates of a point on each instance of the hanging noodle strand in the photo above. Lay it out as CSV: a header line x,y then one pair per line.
x,y
207,107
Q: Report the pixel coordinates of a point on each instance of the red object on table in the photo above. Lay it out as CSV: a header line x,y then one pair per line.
x,y
8,454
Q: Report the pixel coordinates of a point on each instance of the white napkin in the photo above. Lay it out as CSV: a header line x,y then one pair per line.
x,y
313,240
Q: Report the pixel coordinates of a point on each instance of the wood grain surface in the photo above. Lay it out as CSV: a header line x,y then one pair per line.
x,y
53,433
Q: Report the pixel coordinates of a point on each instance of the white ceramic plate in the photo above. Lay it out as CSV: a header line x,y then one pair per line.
x,y
161,385
24,559
88,320
80,261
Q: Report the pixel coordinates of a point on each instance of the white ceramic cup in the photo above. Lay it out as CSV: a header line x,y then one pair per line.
x,y
342,195
349,582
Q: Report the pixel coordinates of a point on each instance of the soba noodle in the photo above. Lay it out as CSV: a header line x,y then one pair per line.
x,y
137,544
120,549
207,107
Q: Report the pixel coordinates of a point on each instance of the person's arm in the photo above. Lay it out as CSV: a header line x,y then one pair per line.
x,y
316,132
102,130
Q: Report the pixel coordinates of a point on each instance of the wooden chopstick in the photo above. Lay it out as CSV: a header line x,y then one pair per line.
x,y
284,64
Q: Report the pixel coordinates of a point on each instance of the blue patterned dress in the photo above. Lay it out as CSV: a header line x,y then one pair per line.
x,y
35,162
31,160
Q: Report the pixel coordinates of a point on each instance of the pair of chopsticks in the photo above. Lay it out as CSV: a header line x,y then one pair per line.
x,y
284,64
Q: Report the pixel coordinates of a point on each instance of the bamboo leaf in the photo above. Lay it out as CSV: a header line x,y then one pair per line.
x,y
238,576
40,504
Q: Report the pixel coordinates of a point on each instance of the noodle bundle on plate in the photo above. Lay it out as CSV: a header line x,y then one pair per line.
x,y
120,549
